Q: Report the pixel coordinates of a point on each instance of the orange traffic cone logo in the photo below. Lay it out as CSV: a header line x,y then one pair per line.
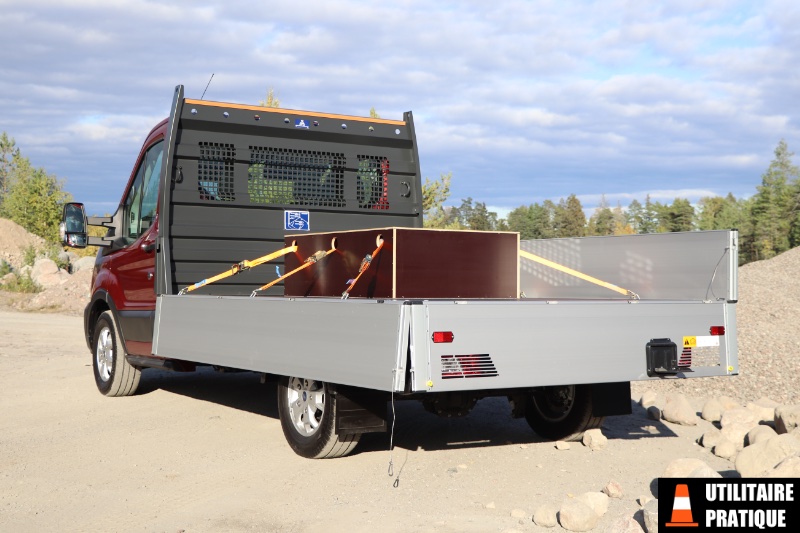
x,y
681,509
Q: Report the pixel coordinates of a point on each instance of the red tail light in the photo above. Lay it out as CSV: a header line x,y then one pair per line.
x,y
443,336
717,330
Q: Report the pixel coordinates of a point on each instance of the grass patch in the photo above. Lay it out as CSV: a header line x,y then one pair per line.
x,y
22,284
29,255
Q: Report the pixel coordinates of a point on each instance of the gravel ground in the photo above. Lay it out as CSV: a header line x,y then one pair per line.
x,y
769,340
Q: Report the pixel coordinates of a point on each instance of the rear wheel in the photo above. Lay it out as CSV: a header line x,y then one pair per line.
x,y
308,412
113,374
561,412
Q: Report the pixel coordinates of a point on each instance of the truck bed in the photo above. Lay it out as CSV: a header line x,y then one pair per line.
x,y
386,344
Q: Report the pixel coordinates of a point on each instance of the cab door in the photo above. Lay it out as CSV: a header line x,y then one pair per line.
x,y
135,264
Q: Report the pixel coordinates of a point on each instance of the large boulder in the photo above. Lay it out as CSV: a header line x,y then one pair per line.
x,y
648,398
736,432
728,403
738,416
598,501
712,410
725,449
710,438
683,467
576,515
678,410
52,279
787,417
83,263
764,409
705,472
763,456
789,467
594,439
545,515
759,433
43,266
650,515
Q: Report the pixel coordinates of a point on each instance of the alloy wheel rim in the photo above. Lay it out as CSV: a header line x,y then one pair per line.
x,y
306,400
105,354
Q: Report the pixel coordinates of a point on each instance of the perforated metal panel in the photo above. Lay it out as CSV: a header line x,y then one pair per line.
x,y
215,171
296,177
372,184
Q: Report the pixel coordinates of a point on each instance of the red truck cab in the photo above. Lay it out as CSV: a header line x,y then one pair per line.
x,y
123,280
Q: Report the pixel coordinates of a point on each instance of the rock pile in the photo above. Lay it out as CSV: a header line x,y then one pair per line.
x,y
14,240
63,289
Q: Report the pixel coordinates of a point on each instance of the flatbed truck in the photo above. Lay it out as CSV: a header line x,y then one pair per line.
x,y
217,183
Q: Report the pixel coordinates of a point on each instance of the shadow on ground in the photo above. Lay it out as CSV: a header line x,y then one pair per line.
x,y
238,390
489,424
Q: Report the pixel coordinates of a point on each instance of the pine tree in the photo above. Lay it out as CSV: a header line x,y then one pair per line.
x,y
635,216
678,217
271,99
621,226
602,220
569,220
773,206
434,195
521,221
649,222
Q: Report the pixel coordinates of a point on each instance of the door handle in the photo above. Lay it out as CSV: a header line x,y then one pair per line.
x,y
148,246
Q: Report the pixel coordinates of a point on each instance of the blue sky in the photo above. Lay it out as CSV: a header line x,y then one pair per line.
x,y
521,101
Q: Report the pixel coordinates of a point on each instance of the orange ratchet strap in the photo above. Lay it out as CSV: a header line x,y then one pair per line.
x,y
239,267
321,254
580,275
365,263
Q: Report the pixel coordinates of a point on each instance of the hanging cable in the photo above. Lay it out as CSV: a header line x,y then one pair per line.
x,y
365,264
240,267
321,254
581,275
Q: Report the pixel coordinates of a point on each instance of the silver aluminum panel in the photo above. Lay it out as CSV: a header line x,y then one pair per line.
x,y
352,342
534,343
697,265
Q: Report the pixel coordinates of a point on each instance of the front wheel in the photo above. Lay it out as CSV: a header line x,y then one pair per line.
x,y
561,412
307,411
113,374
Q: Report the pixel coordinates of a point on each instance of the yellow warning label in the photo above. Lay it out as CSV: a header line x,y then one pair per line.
x,y
690,342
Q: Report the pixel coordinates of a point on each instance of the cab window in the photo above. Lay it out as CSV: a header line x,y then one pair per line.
x,y
140,204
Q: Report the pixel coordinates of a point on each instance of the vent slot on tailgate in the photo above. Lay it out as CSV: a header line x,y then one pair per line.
x,y
468,366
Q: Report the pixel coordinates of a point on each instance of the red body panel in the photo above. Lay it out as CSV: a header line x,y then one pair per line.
x,y
128,274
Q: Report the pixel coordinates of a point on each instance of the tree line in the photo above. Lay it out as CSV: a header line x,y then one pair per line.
x,y
768,222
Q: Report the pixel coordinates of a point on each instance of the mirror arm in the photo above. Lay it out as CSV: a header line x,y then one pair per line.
x,y
103,242
99,221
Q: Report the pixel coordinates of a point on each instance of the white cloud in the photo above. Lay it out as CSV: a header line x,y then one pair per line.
x,y
521,100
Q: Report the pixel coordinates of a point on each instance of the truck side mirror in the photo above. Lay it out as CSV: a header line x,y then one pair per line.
x,y
73,226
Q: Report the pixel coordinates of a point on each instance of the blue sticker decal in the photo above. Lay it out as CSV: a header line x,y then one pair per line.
x,y
301,123
296,221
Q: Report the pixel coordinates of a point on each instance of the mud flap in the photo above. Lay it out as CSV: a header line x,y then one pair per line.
x,y
610,399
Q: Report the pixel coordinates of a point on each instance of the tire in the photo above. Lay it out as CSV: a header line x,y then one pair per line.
x,y
113,374
561,412
308,414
